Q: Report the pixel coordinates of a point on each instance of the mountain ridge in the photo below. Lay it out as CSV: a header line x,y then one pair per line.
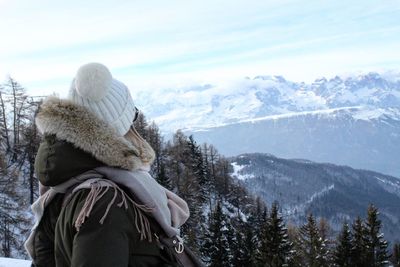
x,y
209,105
353,120
335,192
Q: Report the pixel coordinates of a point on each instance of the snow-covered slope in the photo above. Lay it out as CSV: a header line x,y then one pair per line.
x,y
336,135
352,120
8,262
337,193
202,107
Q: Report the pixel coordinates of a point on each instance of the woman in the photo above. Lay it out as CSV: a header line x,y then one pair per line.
x,y
98,204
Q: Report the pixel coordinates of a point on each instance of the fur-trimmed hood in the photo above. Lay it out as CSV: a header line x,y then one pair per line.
x,y
75,124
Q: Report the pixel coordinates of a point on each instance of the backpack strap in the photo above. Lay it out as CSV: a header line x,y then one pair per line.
x,y
184,256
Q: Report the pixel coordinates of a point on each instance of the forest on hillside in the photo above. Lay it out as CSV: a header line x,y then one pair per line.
x,y
228,226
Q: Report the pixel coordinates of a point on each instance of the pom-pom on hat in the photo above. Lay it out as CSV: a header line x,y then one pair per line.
x,y
109,99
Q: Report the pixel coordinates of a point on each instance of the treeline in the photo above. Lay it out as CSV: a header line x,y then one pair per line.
x,y
227,227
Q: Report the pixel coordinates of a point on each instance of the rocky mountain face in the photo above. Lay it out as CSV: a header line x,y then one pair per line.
x,y
336,193
205,106
351,120
337,136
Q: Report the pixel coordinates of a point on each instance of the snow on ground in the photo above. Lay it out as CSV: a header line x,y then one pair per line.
x,y
303,113
236,172
302,206
8,262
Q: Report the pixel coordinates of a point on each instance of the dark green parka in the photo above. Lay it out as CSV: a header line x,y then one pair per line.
x,y
73,144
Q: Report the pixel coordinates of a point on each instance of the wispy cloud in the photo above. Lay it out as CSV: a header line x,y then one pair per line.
x,y
165,43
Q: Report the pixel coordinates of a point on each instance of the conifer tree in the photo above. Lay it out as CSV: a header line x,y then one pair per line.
x,y
325,232
232,248
358,244
196,164
295,259
251,244
237,248
141,125
313,248
156,142
377,253
261,221
342,254
222,177
163,179
395,259
275,246
217,243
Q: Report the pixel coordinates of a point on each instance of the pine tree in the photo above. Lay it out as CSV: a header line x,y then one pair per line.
x,y
217,245
377,253
141,125
197,166
275,246
251,247
395,259
342,254
232,242
237,248
358,244
325,232
311,245
261,220
296,259
163,179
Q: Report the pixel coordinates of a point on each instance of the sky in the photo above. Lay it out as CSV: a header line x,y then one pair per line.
x,y
152,44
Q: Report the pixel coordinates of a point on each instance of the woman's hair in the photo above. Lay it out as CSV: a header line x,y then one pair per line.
x,y
147,154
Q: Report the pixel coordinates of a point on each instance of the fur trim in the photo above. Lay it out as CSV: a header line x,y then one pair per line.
x,y
75,124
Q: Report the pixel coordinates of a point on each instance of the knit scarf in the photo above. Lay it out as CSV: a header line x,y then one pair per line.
x,y
151,199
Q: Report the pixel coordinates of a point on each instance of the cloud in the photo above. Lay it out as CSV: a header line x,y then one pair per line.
x,y
153,44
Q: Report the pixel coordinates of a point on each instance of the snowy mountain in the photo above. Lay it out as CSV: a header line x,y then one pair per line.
x,y
205,106
337,193
351,120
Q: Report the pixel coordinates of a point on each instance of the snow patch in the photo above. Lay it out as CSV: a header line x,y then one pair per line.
x,y
369,114
302,207
236,172
9,262
303,113
320,193
392,187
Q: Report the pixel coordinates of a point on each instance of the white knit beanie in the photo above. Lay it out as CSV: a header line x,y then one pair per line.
x,y
108,98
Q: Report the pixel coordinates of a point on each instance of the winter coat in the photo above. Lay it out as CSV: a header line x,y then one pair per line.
x,y
66,153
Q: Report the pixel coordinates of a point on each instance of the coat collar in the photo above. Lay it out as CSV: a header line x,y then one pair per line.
x,y
75,124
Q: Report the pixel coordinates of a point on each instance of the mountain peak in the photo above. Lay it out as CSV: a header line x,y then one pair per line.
x,y
212,105
276,78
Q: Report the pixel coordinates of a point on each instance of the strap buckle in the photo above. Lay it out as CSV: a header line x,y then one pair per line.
x,y
178,246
